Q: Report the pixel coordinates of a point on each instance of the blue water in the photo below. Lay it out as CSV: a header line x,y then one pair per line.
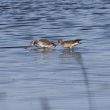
x,y
55,79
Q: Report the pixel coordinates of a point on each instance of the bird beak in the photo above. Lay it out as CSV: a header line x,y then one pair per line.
x,y
30,45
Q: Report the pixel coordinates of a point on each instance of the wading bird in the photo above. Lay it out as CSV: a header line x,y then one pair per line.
x,y
69,43
42,43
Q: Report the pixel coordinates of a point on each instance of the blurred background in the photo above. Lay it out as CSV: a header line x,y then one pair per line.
x,y
55,79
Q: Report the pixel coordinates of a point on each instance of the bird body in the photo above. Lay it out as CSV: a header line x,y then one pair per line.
x,y
69,43
43,43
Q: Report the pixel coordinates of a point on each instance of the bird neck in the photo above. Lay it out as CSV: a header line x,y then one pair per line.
x,y
61,42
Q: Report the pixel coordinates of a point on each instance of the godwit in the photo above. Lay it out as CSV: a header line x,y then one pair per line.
x,y
69,43
42,43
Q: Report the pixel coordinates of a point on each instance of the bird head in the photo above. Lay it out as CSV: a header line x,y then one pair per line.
x,y
60,41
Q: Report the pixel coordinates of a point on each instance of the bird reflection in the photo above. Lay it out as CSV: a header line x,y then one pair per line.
x,y
42,56
68,53
41,50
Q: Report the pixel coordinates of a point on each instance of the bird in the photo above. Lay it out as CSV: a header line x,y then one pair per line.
x,y
69,43
42,43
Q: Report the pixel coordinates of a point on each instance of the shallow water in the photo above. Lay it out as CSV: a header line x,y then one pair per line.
x,y
55,79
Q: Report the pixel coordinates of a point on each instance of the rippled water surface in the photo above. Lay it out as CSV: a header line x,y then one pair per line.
x,y
55,79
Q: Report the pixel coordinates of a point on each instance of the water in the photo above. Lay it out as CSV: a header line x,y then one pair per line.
x,y
56,79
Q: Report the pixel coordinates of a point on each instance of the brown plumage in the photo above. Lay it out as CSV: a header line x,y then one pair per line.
x,y
42,43
69,43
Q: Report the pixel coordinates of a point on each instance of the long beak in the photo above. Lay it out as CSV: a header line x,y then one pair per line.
x,y
30,45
